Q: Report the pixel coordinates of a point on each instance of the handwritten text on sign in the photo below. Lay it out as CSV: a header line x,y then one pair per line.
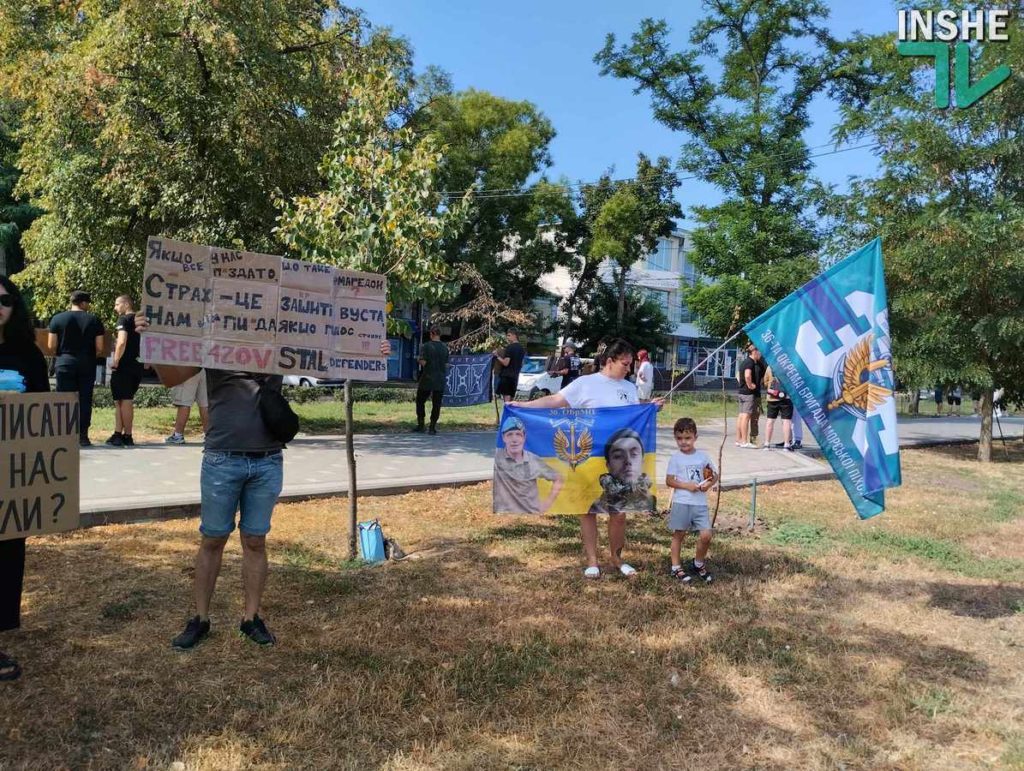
x,y
228,309
38,464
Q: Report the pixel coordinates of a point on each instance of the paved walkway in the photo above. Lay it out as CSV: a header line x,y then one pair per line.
x,y
160,480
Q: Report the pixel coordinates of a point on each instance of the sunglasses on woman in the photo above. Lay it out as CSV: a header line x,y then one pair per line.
x,y
6,300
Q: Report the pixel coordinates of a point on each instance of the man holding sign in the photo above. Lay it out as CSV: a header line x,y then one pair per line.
x,y
246,319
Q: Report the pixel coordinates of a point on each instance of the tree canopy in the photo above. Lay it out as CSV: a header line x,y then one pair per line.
x,y
168,117
744,129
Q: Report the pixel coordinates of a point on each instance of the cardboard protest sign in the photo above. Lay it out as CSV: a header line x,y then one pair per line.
x,y
565,461
231,309
38,464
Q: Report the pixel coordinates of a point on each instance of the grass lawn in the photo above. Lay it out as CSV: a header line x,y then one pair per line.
x,y
327,417
825,642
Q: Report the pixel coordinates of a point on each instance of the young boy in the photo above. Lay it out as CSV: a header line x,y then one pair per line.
x,y
691,474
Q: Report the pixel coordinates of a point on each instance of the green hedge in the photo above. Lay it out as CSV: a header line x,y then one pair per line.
x,y
158,396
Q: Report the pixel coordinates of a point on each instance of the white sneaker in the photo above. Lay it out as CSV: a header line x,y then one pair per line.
x,y
748,446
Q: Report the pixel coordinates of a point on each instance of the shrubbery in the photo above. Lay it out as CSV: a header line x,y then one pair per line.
x,y
158,396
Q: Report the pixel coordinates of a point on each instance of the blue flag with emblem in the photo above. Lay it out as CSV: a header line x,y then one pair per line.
x,y
468,380
566,461
828,343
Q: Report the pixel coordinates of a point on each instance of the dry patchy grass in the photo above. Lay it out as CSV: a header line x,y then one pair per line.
x,y
825,643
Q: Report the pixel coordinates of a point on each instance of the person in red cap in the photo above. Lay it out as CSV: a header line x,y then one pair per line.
x,y
644,376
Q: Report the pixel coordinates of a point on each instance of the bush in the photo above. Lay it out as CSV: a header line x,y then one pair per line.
x,y
147,396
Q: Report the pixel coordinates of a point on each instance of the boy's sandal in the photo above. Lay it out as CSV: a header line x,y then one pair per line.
x,y
592,572
627,570
9,668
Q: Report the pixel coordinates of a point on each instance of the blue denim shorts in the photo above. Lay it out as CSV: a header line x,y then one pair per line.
x,y
230,483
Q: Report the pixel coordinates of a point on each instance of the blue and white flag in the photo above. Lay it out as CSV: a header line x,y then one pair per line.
x,y
566,461
468,381
828,342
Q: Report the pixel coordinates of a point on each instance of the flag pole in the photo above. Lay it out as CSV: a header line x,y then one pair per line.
x,y
706,359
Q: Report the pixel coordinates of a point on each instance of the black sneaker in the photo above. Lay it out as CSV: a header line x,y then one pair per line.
x,y
127,441
796,446
418,430
195,632
257,631
679,573
84,442
432,430
115,440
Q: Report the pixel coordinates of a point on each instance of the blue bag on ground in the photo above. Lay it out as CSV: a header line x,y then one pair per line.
x,y
371,541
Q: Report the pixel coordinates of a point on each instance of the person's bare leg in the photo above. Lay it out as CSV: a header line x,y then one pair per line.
x,y
768,426
204,416
588,530
677,546
127,415
787,432
254,572
211,551
743,428
118,427
616,537
703,544
181,419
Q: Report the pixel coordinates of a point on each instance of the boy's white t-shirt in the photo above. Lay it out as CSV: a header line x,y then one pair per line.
x,y
689,468
597,390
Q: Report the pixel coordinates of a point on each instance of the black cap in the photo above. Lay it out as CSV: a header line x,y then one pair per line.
x,y
78,297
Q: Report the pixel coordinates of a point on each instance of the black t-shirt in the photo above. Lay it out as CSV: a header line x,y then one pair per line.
x,y
130,357
756,373
515,353
76,337
29,363
235,420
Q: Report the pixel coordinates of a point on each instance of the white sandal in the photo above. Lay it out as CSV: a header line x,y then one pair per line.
x,y
592,572
627,570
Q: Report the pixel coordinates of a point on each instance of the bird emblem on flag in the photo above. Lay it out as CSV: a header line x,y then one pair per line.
x,y
853,384
571,448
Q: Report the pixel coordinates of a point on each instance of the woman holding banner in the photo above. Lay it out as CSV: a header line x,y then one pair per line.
x,y
22,368
606,388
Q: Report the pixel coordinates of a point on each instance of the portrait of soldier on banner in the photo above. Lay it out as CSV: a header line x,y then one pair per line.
x,y
574,462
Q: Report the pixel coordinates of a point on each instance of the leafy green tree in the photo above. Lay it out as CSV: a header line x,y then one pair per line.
x,y
381,210
16,214
745,127
949,205
168,117
498,145
643,323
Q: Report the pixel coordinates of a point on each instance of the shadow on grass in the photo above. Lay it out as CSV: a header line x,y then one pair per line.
x,y
450,655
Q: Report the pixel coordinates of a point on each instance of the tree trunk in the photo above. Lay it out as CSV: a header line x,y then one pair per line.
x,y
915,402
350,451
985,440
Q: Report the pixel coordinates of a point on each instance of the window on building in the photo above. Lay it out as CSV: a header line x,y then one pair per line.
x,y
661,258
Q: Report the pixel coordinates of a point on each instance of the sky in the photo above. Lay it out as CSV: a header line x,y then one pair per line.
x,y
542,51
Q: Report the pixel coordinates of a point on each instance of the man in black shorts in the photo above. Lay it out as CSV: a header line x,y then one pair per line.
x,y
76,338
125,372
511,359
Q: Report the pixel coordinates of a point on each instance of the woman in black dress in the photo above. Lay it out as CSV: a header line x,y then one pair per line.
x,y
18,356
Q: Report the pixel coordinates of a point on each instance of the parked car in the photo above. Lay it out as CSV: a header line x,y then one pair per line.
x,y
534,380
306,381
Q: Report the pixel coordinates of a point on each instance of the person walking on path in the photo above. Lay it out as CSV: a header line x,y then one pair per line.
x,y
644,376
607,388
511,360
183,396
433,373
21,362
748,394
76,338
938,400
125,373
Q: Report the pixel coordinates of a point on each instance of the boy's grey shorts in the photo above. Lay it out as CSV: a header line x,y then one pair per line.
x,y
685,516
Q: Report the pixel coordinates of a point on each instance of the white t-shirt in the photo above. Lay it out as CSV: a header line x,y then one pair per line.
x,y
645,373
689,468
596,390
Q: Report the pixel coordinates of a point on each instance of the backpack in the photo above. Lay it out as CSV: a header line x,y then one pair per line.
x,y
281,421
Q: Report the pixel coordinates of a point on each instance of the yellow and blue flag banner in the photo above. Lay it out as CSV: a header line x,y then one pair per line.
x,y
565,461
828,343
